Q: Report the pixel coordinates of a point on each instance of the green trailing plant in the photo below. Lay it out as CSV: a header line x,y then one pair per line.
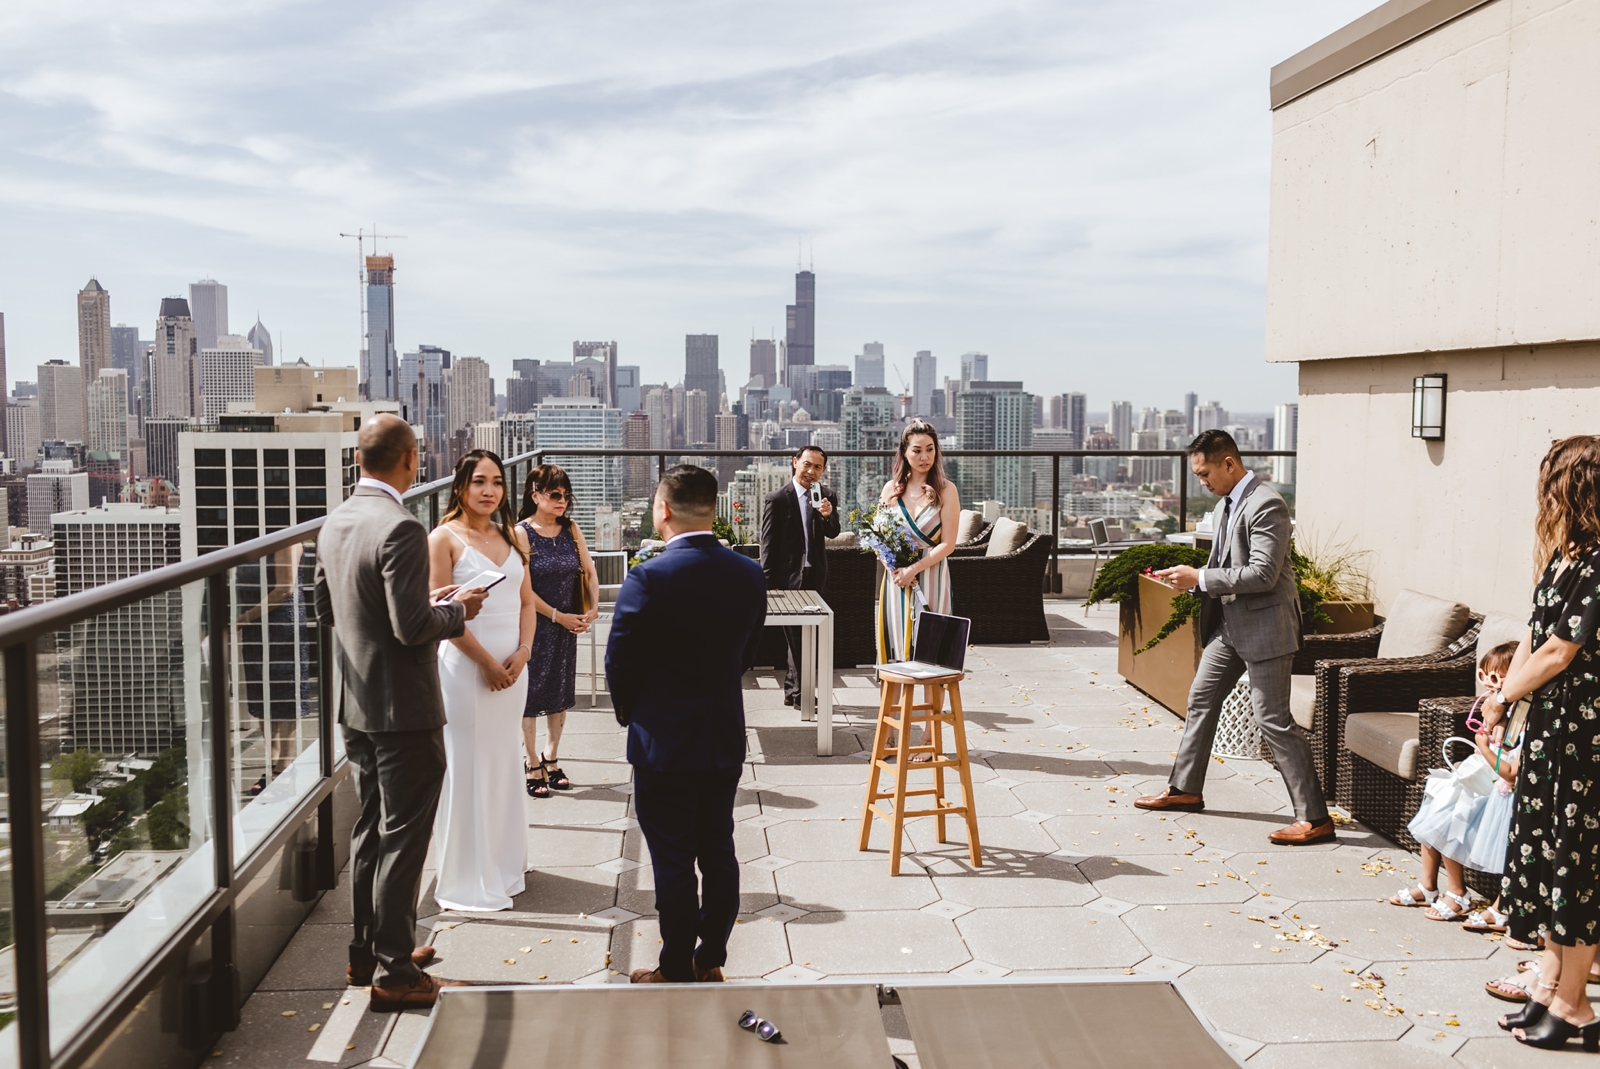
x,y
724,530
1117,582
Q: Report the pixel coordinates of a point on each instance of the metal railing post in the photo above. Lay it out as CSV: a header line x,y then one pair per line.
x,y
1055,524
1180,475
224,979
27,855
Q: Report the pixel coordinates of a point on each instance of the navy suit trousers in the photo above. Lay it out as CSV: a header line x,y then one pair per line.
x,y
688,820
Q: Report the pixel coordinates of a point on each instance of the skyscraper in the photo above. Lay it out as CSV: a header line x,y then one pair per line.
x,y
1208,417
94,332
1075,416
22,433
995,415
5,384
380,368
658,409
425,402
121,672
468,396
764,362
1285,435
1122,423
1190,402
584,423
208,304
800,333
262,340
107,430
127,355
61,402
174,378
636,435
696,417
869,365
974,368
924,378
227,371
606,353
700,372
55,488
626,387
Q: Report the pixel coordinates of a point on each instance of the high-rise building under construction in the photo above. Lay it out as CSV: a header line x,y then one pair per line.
x,y
380,366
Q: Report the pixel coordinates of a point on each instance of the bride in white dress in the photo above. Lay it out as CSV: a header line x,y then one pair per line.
x,y
480,833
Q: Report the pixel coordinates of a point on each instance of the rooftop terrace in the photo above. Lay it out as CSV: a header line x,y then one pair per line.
x,y
1270,944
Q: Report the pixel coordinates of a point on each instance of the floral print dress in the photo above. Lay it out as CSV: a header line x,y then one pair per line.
x,y
1552,869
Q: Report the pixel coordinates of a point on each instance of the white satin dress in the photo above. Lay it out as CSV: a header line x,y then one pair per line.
x,y
481,830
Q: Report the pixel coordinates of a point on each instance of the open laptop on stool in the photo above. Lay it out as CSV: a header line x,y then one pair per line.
x,y
939,648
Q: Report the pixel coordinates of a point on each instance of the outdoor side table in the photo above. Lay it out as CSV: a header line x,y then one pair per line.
x,y
806,610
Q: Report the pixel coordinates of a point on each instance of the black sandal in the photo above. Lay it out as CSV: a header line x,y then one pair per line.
x,y
558,779
537,788
1552,1033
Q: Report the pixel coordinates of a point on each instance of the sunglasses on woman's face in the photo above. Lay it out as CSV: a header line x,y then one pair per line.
x,y
555,495
766,1030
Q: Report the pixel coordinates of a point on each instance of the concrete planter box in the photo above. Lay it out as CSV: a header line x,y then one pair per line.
x,y
1346,617
1165,671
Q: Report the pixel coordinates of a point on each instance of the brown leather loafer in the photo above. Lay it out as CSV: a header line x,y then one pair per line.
x,y
647,976
708,976
1303,833
355,977
420,994
1182,803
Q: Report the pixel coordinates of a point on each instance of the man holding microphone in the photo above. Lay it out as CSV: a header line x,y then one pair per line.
x,y
797,520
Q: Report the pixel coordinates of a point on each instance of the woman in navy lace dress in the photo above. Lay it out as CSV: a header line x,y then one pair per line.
x,y
559,556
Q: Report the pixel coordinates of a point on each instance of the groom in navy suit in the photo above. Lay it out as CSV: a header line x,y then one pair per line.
x,y
686,625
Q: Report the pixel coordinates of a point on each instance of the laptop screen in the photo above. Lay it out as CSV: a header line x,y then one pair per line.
x,y
941,640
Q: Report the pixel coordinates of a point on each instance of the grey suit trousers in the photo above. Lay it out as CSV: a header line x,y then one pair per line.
x,y
398,777
1220,668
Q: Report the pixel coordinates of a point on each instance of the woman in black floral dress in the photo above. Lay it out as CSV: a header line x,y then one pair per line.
x,y
1552,872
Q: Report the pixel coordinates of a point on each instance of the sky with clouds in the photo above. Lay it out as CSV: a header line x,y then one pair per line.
x,y
1077,189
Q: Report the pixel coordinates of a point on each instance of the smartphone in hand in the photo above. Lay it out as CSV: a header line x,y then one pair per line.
x,y
816,494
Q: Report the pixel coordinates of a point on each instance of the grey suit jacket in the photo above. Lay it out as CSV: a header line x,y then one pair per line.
x,y
1250,582
372,589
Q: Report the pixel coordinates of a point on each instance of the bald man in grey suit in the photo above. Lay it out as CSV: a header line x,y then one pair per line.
x,y
1249,621
372,589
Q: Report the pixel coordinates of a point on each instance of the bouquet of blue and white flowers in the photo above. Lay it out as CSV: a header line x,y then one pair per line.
x,y
883,531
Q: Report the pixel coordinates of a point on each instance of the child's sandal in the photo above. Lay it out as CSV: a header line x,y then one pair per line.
x,y
1487,919
1405,897
1448,907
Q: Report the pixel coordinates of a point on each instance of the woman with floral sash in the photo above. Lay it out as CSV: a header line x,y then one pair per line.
x,y
929,507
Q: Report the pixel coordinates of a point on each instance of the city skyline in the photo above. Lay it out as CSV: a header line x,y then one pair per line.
x,y
889,143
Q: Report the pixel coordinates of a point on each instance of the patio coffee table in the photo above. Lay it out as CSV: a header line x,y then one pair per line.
x,y
806,610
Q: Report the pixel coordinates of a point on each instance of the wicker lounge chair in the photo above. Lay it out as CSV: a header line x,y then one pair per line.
x,y
1318,696
1003,595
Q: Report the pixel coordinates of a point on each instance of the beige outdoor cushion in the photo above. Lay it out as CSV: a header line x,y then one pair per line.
x,y
971,524
1388,740
1007,537
1498,627
1302,699
1421,624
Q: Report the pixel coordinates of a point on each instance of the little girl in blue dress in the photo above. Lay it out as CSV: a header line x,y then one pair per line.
x,y
1468,833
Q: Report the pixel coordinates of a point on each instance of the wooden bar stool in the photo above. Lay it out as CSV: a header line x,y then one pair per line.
x,y
898,711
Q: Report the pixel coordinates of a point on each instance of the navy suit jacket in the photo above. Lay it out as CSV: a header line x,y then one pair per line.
x,y
686,624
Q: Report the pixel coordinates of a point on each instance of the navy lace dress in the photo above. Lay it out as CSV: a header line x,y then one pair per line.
x,y
553,569
1553,862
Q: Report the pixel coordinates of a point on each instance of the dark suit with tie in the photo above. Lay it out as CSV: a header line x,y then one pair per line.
x,y
794,556
686,624
1250,621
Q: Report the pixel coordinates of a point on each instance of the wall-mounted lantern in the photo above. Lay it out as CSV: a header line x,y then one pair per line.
x,y
1427,407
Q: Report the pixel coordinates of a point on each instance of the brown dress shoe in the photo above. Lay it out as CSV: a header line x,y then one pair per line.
x,y
708,976
1303,833
647,976
355,977
420,994
1183,803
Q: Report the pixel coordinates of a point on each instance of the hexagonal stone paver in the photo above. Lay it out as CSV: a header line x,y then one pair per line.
x,y
566,891
1045,881
876,942
1378,932
1156,878
490,952
1319,875
1051,938
558,847
1119,833
828,886
1236,998
1207,935
817,839
1362,1056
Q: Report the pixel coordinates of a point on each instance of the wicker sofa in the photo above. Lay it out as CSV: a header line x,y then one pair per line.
x,y
1336,675
1002,595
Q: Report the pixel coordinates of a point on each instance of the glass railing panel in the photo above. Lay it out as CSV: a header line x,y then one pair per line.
x,y
8,963
274,694
127,813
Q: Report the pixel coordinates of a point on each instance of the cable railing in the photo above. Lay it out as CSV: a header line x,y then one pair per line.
x,y
129,886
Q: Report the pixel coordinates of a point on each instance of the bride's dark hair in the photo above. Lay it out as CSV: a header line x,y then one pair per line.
x,y
501,517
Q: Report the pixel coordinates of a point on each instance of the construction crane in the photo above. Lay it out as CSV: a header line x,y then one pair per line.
x,y
361,235
905,389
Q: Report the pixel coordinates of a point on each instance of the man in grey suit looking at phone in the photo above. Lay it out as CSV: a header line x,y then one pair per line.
x,y
1249,621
